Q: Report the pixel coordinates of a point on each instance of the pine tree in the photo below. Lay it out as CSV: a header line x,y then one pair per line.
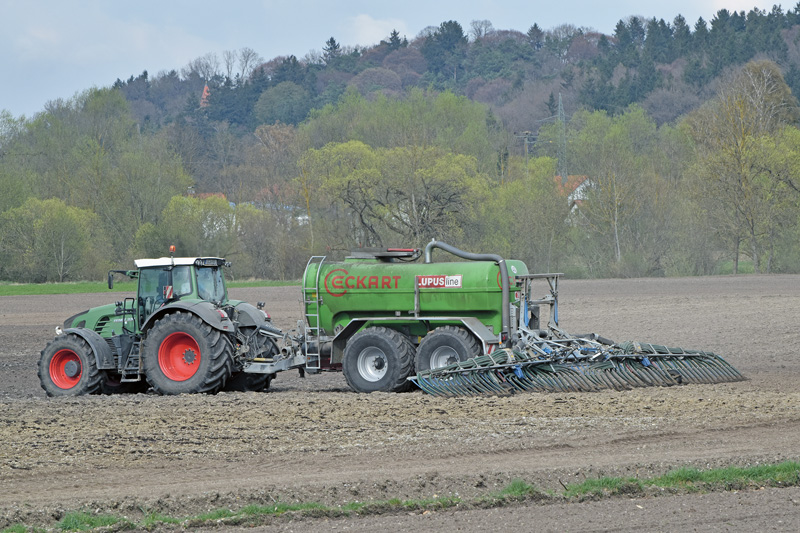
x,y
331,51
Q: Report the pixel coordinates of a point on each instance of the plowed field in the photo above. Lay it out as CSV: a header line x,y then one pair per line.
x,y
314,440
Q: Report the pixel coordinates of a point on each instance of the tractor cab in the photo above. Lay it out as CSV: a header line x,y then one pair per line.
x,y
168,279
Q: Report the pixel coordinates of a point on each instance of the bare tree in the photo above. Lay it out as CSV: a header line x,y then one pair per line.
x,y
229,59
206,67
248,60
480,29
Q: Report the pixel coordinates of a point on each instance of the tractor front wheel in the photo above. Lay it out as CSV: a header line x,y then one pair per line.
x,y
183,354
378,359
67,367
444,346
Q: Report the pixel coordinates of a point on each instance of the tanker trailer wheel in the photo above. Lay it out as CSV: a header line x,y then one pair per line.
x,y
444,346
68,367
183,354
378,359
252,382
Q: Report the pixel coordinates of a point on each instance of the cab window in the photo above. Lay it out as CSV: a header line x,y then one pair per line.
x,y
182,280
210,284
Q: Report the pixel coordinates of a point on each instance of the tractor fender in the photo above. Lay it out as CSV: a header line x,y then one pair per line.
x,y
208,313
249,315
102,351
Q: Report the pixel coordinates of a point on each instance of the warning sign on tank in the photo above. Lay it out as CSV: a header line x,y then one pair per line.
x,y
439,282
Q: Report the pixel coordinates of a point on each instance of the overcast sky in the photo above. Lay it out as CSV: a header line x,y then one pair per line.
x,y
55,48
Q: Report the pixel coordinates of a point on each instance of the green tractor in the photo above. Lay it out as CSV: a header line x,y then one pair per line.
x,y
180,334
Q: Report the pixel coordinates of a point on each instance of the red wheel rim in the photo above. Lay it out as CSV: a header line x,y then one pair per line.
x,y
65,368
179,356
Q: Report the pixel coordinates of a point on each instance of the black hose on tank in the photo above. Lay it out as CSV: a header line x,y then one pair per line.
x,y
505,336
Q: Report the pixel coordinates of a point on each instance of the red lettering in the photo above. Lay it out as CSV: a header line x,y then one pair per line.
x,y
347,281
386,282
373,282
335,282
360,282
396,280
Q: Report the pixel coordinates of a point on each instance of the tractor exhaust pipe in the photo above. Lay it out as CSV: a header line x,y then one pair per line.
x,y
505,335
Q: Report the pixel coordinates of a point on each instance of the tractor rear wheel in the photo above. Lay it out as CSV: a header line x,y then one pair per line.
x,y
183,354
444,346
67,367
378,359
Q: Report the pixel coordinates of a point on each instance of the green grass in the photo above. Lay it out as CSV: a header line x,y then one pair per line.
x,y
151,520
516,490
16,528
31,289
79,521
603,486
787,473
684,480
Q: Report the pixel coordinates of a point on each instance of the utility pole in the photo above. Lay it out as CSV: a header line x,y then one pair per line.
x,y
528,138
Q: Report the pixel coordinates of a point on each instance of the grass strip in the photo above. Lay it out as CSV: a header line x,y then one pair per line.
x,y
681,480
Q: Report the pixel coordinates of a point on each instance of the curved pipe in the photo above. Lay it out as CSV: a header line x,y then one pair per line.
x,y
506,333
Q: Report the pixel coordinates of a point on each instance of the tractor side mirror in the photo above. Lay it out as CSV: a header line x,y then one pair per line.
x,y
110,280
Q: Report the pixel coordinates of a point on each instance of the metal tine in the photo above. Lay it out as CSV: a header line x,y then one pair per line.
x,y
653,375
541,379
611,377
701,370
687,373
439,386
464,383
628,372
667,378
479,383
723,367
696,372
579,380
431,385
562,376
482,382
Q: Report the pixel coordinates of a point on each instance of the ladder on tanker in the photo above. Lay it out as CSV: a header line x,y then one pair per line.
x,y
311,303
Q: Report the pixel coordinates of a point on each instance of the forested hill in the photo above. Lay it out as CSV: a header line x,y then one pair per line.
x,y
667,148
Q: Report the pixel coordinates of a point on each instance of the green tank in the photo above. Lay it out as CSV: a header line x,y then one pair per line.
x,y
427,314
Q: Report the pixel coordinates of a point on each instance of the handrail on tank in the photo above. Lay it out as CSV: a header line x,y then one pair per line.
x,y
505,336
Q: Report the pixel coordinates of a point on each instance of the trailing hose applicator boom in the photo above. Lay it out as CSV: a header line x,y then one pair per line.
x,y
549,359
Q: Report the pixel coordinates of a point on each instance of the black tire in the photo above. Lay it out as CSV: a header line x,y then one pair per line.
x,y
249,382
378,360
446,345
67,367
183,354
110,384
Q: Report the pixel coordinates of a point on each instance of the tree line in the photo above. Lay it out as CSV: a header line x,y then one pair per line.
x,y
290,158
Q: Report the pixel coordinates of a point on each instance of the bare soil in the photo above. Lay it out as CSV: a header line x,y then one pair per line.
x,y
314,440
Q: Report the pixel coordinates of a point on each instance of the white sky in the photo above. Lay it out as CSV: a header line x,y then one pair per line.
x,y
55,48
